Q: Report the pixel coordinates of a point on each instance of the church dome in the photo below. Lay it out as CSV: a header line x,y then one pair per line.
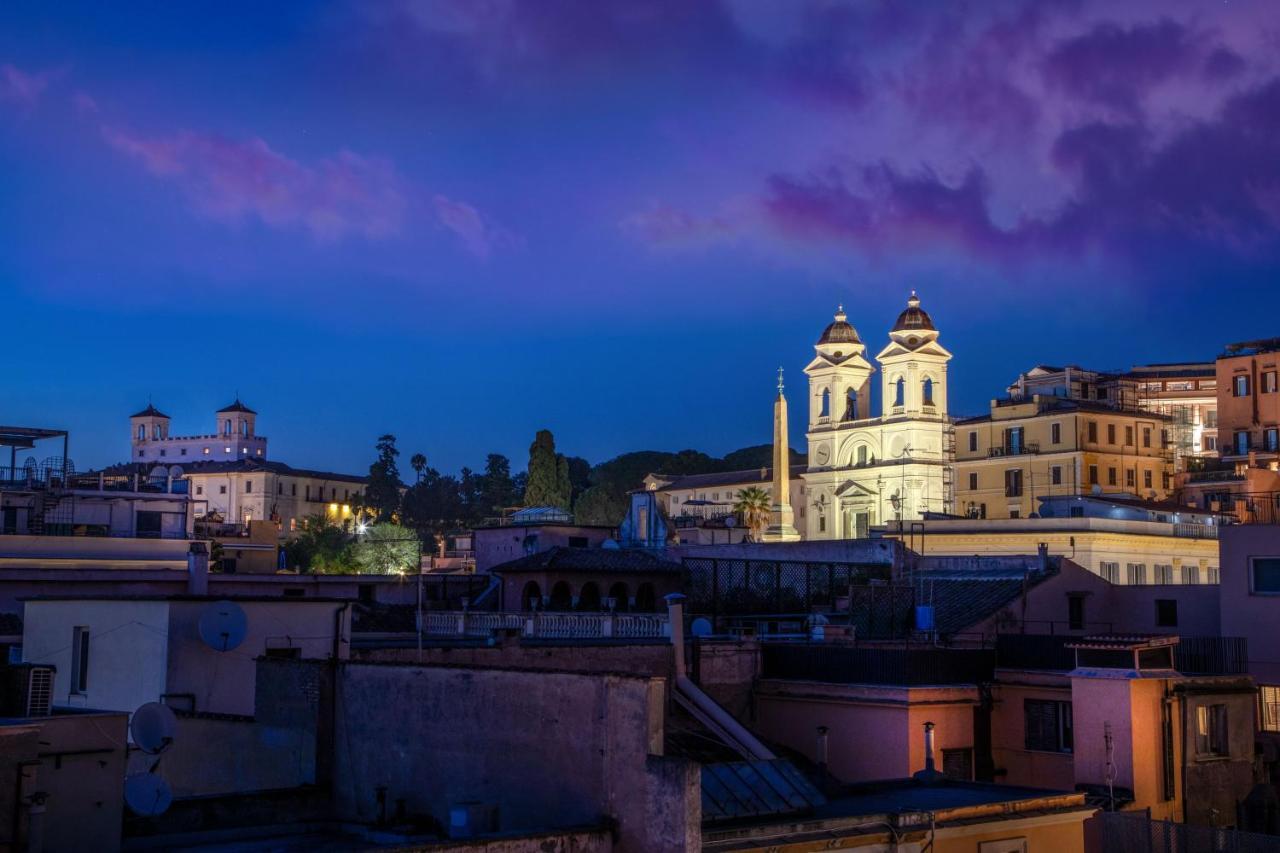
x,y
915,318
839,332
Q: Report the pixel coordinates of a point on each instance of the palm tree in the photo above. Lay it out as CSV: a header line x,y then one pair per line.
x,y
418,463
753,506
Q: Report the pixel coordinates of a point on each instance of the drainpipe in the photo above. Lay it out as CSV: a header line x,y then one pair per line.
x,y
35,821
822,755
198,569
705,709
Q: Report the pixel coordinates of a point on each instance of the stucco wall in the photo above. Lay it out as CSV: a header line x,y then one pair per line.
x,y
1244,613
872,732
549,748
82,768
1014,763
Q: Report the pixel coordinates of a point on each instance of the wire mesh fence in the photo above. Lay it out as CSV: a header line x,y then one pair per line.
x,y
1133,832
734,587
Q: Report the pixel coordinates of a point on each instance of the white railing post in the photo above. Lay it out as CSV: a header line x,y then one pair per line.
x,y
606,625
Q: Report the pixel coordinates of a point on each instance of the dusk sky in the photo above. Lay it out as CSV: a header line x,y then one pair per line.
x,y
459,222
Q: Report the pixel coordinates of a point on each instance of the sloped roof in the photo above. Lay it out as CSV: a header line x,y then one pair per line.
x,y
237,406
231,466
724,478
962,598
605,560
149,412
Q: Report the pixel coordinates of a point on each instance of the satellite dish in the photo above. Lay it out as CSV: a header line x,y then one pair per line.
x,y
223,625
147,794
152,727
610,544
1097,489
175,471
700,627
159,473
730,521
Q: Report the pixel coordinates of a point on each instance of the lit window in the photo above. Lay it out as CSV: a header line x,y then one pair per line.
x,y
206,451
1269,697
1240,386
1211,730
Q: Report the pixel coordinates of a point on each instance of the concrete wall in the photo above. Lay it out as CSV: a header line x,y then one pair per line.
x,y
575,841
223,682
584,656
212,756
882,551
77,761
873,732
128,649
1245,613
549,748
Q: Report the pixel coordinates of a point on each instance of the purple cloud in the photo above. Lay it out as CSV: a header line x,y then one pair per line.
x,y
477,235
232,180
1113,65
22,87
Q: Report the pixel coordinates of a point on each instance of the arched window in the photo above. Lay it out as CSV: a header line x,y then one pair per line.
x,y
531,597
619,592
900,392
561,597
646,601
244,427
589,597
926,392
142,432
226,427
851,405
826,404
862,454
155,432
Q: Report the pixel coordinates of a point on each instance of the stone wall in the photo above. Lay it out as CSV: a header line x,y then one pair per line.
x,y
550,749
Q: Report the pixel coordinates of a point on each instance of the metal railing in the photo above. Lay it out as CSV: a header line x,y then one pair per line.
x,y
1029,448
1192,655
565,626
1134,832
734,587
886,666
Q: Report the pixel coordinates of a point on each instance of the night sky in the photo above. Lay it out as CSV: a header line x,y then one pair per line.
x,y
461,221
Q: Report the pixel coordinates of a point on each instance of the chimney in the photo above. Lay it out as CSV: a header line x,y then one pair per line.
x,y
198,569
675,617
929,775
1042,551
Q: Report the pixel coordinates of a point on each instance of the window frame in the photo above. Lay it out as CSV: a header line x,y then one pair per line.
x,y
1063,727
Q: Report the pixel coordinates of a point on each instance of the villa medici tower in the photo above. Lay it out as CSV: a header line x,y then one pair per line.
x,y
864,469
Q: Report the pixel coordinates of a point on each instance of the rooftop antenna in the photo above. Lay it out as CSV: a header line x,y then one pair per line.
x,y
223,625
152,727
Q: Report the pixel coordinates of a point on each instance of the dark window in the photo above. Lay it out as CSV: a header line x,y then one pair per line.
x,y
1075,612
973,441
295,593
1055,433
1130,477
80,659
1128,436
1013,483
1146,436
1093,431
1271,439
1211,730
1055,475
825,411
1111,476
1266,574
1093,475
1166,613
958,764
365,592
1242,443
222,490
973,482
900,394
1146,479
577,542
248,486
1048,725
926,390
148,524
1111,433
293,489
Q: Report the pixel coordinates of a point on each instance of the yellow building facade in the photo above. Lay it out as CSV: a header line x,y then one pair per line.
x,y
1031,448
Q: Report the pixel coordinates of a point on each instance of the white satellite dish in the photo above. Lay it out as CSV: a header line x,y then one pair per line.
x,y
152,727
610,544
159,473
700,627
223,625
175,471
147,794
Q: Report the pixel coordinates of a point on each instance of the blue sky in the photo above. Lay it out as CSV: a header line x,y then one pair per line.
x,y
460,222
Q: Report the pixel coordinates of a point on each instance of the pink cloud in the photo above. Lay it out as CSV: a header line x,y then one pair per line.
x,y
233,180
22,86
479,236
668,226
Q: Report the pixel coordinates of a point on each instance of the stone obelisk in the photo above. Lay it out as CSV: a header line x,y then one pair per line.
x,y
781,524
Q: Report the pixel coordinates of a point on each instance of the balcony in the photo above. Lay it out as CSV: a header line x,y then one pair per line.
x,y
1192,655
1029,448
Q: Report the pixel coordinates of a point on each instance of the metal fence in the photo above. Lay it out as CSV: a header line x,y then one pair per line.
x,y
1133,832
901,667
730,587
1192,655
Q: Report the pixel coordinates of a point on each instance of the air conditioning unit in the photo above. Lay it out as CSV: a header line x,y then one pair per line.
x,y
26,690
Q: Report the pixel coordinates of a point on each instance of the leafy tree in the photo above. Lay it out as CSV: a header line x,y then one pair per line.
x,y
548,483
497,488
322,547
382,495
579,472
753,506
387,549
600,505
